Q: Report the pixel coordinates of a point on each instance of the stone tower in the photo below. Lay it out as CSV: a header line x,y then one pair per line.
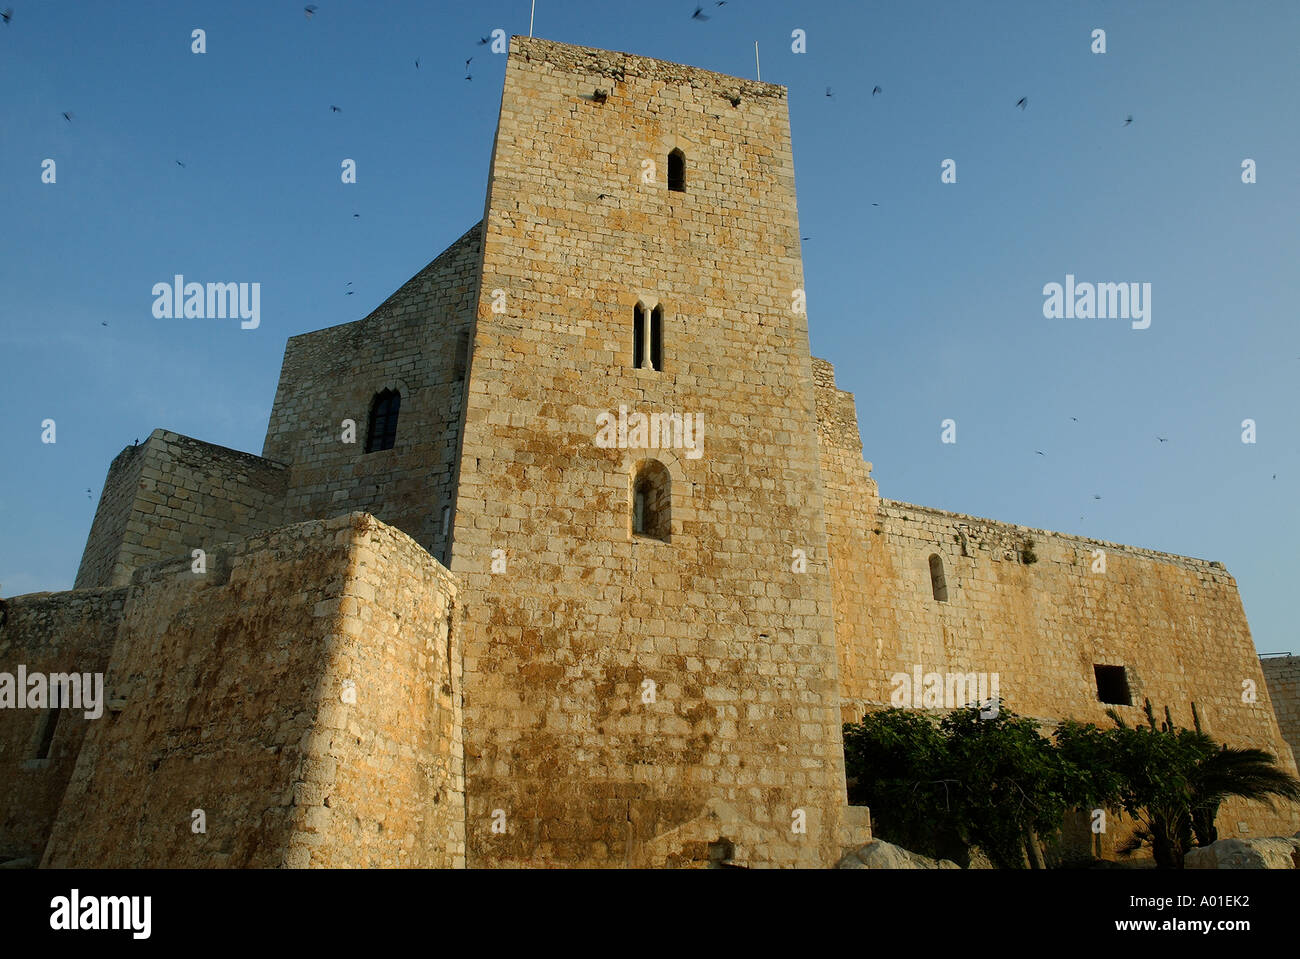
x,y
635,697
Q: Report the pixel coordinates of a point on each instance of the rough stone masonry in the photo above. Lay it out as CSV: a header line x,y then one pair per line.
x,y
490,639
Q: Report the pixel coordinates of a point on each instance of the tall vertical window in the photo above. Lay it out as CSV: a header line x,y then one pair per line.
x,y
382,433
651,500
647,338
677,171
657,338
937,583
638,337
50,722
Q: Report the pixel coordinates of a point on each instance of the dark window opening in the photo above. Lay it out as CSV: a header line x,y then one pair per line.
x,y
1112,685
937,583
51,721
638,337
651,501
382,433
657,338
720,852
677,171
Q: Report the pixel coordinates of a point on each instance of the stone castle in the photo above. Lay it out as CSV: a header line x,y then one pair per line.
x,y
477,635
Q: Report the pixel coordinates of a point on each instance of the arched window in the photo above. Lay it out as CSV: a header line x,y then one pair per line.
x,y
651,500
382,433
937,582
677,171
647,338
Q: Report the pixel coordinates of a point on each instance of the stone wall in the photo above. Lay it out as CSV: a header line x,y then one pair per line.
x,y
743,730
1034,607
103,561
1282,674
415,342
235,704
171,495
47,633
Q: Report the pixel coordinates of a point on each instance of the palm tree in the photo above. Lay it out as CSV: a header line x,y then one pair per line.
x,y
1251,774
1195,775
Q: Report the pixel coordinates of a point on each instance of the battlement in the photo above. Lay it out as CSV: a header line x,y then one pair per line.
x,y
618,66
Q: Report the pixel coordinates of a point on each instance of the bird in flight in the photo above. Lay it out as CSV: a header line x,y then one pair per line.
x,y
180,164
68,117
1095,496
1162,439
699,14
805,238
601,196
103,323
309,10
334,109
356,216
1075,418
1022,102
1128,120
875,90
828,92
483,41
87,494
417,64
1040,452
7,14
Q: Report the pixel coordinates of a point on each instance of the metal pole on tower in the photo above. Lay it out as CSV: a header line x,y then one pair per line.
x,y
532,14
757,66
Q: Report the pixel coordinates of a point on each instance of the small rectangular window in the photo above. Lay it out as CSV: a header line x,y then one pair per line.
x,y
1112,685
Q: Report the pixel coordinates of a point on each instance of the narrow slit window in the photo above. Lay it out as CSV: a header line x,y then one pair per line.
x,y
382,432
51,722
677,171
657,338
638,337
938,585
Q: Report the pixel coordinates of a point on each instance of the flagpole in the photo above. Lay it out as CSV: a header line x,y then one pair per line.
x,y
531,14
757,66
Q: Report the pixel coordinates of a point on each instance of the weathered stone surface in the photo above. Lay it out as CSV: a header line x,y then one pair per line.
x,y
1263,853
308,703
879,854
1282,674
1176,624
501,716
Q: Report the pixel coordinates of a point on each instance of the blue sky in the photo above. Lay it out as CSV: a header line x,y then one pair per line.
x,y
930,304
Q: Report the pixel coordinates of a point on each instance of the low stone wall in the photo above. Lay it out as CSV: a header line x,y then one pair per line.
x,y
300,700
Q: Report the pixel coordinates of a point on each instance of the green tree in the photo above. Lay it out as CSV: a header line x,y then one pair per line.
x,y
894,761
1011,784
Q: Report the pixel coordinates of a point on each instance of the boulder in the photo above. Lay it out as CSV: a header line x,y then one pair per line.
x,y
878,854
1263,853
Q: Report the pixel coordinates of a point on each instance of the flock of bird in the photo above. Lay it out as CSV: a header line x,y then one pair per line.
x,y
698,15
